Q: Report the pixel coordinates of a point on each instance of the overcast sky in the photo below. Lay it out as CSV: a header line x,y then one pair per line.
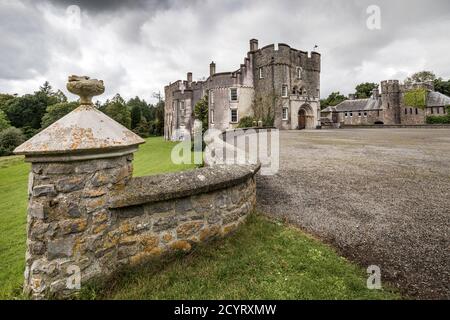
x,y
137,47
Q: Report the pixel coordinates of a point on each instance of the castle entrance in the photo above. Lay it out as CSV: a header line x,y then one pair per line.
x,y
301,119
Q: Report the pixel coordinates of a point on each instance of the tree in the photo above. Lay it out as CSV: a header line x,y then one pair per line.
x,y
56,111
4,122
10,138
201,112
143,128
364,90
136,116
442,86
158,122
27,111
4,98
117,110
420,76
333,99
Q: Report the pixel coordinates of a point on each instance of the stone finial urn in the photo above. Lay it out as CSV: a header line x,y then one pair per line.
x,y
85,133
85,87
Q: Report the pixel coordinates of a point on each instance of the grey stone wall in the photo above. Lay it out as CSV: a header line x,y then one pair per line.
x,y
93,216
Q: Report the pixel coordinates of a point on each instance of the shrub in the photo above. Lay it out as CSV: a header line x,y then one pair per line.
x,y
4,122
246,122
10,138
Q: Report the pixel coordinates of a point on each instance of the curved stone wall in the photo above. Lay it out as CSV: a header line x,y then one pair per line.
x,y
92,217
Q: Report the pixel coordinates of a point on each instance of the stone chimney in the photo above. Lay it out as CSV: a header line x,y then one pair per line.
x,y
189,78
212,68
75,164
253,44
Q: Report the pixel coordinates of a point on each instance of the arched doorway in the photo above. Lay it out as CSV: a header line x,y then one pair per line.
x,y
301,119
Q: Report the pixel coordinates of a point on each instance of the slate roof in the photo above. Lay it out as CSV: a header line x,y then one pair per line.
x,y
356,105
437,99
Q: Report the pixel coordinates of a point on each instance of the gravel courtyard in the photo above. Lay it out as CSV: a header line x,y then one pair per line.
x,y
380,196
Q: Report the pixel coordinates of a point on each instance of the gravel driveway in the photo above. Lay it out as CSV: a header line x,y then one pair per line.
x,y
380,196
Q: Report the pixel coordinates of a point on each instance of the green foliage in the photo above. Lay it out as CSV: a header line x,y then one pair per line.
x,y
117,110
143,128
136,115
201,112
333,99
4,98
444,119
420,76
416,98
157,125
56,111
4,122
246,122
442,86
10,138
364,90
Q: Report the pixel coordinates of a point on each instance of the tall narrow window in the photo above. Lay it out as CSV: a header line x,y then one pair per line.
x,y
260,72
438,110
432,110
211,97
234,115
284,91
410,110
233,94
211,119
417,112
285,113
406,111
299,73
346,114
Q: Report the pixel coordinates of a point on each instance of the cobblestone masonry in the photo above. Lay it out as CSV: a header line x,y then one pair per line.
x,y
94,216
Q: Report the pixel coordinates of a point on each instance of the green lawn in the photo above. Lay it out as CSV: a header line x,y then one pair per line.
x,y
153,157
262,260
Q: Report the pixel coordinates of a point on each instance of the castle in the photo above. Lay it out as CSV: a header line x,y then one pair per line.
x,y
397,104
290,76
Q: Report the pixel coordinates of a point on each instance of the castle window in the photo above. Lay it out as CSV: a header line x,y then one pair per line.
x,y
359,114
211,97
233,94
173,105
234,115
211,116
285,113
299,73
260,72
346,114
351,114
406,111
365,114
284,90
432,110
417,111
437,109
410,110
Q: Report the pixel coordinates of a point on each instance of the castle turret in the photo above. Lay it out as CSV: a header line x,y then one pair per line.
x,y
390,99
253,44
189,78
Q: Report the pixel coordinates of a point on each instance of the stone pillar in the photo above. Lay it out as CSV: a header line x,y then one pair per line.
x,y
76,163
